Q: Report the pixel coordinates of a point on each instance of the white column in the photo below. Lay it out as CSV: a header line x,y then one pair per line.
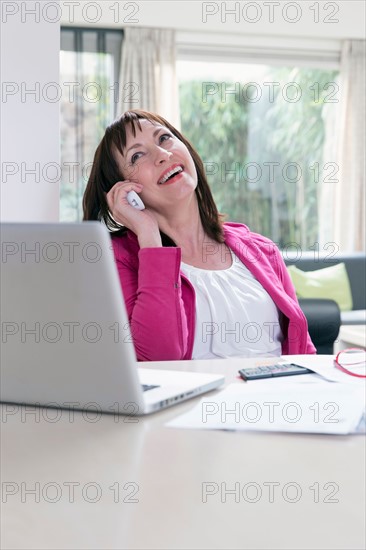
x,y
30,136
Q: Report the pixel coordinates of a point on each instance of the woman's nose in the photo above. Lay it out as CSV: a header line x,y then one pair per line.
x,y
162,155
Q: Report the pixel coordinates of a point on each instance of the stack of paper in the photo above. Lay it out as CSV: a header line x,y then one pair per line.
x,y
304,404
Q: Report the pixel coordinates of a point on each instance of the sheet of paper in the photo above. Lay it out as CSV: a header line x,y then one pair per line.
x,y
324,366
279,405
361,428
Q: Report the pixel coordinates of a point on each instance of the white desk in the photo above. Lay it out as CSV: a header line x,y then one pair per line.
x,y
168,468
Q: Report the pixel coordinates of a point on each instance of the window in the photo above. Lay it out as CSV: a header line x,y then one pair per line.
x,y
263,123
262,132
89,72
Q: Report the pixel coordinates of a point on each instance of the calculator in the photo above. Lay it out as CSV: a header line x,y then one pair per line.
x,y
272,371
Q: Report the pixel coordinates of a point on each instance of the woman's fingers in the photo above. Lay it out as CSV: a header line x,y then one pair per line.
x,y
117,195
142,222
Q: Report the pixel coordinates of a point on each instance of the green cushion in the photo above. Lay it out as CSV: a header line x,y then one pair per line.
x,y
330,282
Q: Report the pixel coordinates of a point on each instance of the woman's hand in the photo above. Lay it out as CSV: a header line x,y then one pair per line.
x,y
142,222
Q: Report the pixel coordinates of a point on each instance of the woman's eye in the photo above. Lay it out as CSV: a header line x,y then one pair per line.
x,y
164,137
135,157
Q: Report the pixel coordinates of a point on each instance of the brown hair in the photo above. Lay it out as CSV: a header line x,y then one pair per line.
x,y
105,173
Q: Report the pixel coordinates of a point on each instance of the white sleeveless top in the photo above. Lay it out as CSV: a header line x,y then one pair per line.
x,y
235,316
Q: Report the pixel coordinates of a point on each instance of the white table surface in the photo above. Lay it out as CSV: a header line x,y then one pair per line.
x,y
164,470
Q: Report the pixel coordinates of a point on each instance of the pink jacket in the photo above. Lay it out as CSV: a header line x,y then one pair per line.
x,y
160,301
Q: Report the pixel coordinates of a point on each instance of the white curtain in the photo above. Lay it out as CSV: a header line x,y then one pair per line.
x,y
349,192
148,74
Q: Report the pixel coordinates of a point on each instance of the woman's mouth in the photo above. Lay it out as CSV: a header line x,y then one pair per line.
x,y
171,175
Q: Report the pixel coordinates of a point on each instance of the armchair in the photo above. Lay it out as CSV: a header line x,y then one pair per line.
x,y
323,315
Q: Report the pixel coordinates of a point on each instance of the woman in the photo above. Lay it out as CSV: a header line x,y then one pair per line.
x,y
194,286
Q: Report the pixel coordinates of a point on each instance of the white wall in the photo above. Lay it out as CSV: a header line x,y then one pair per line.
x,y
30,138
30,54
340,19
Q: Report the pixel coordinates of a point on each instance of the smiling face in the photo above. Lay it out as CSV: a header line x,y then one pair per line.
x,y
158,160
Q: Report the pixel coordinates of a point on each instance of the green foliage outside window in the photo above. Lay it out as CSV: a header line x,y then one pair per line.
x,y
264,159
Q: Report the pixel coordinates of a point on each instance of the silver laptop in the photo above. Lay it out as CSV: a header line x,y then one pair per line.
x,y
65,336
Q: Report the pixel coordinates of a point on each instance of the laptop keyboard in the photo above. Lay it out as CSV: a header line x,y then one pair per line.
x,y
146,387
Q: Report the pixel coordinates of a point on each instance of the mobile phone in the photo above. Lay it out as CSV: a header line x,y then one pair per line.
x,y
134,200
272,371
